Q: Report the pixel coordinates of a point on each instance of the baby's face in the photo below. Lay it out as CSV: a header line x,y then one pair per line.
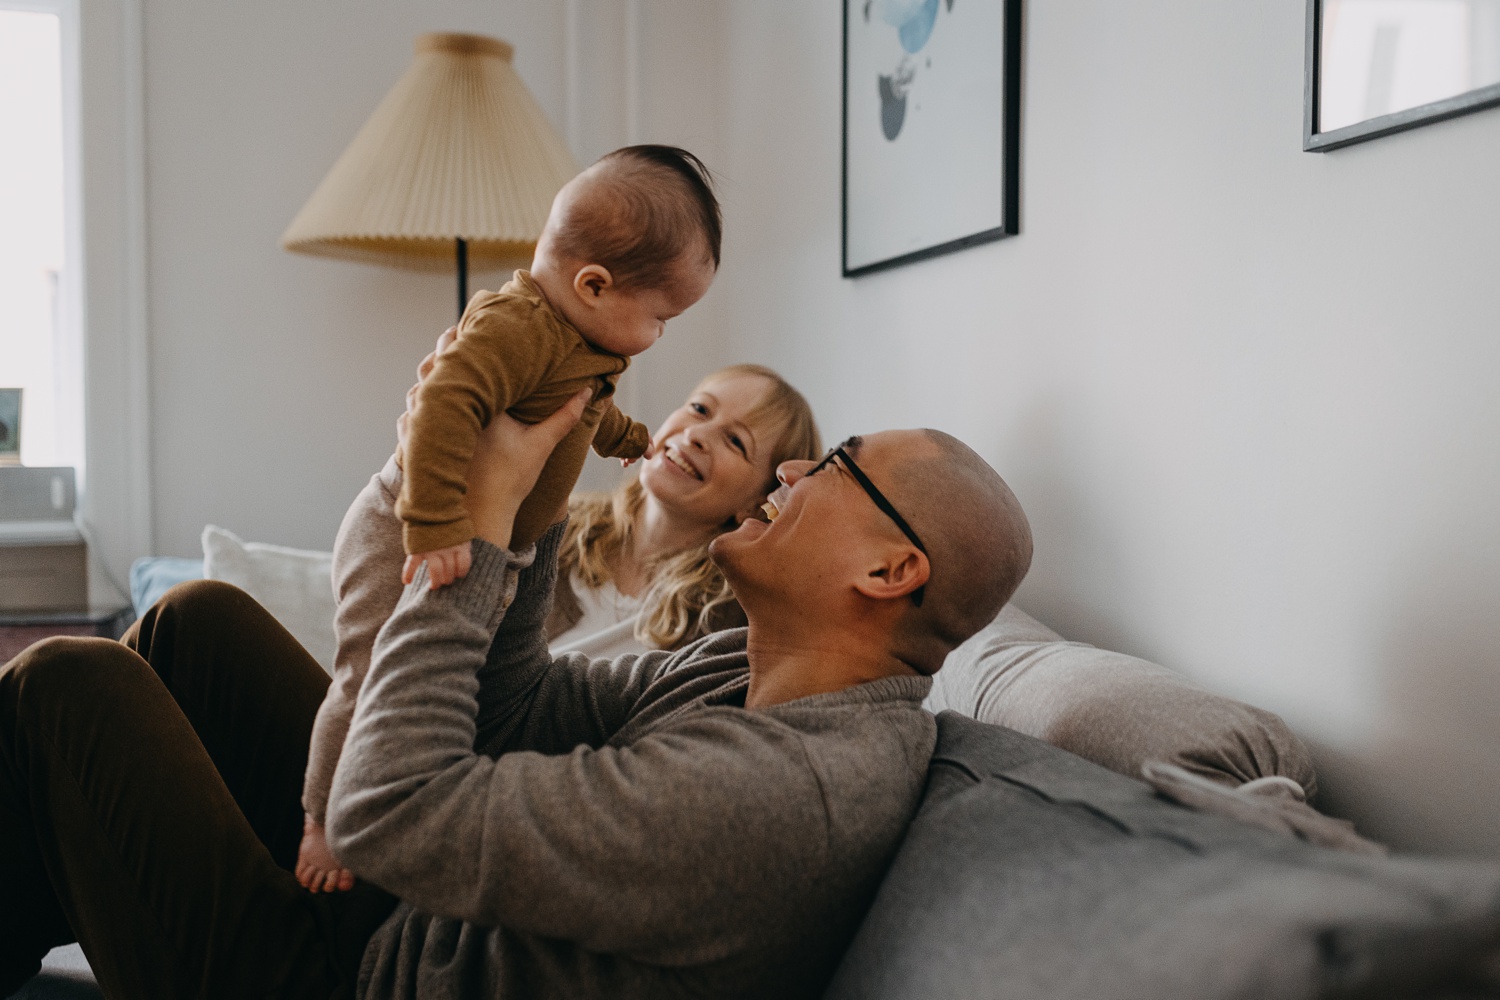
x,y
627,321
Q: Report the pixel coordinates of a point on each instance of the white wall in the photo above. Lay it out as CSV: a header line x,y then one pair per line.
x,y
276,378
1246,393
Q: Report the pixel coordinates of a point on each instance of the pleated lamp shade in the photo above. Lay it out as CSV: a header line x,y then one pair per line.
x,y
458,150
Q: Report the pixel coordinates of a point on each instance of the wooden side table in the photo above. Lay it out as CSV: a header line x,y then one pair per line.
x,y
19,629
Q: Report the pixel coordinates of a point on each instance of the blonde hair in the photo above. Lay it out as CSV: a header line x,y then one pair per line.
x,y
686,588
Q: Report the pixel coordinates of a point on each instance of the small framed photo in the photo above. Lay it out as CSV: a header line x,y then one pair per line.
x,y
1375,67
932,116
10,426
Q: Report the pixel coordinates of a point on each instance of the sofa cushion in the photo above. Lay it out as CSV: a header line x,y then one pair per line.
x,y
1030,872
1115,710
294,585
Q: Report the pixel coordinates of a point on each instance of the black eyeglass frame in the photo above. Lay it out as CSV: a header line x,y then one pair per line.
x,y
873,491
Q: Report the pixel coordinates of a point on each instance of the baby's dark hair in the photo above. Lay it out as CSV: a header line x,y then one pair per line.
x,y
648,208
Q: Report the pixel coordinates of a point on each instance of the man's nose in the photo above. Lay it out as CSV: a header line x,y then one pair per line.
x,y
789,472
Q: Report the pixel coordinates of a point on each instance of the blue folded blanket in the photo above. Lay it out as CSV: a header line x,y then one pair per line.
x,y
153,576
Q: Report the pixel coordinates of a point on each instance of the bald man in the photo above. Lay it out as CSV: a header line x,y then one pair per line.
x,y
709,822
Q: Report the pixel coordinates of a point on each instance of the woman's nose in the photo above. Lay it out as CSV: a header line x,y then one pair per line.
x,y
692,436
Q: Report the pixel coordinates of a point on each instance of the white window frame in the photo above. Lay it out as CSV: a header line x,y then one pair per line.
x,y
102,298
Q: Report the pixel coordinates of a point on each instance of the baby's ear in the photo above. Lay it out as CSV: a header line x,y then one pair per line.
x,y
592,280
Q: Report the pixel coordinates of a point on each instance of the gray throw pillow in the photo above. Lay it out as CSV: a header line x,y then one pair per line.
x,y
1115,710
1029,872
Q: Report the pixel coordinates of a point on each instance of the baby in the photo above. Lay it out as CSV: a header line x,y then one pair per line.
x,y
630,243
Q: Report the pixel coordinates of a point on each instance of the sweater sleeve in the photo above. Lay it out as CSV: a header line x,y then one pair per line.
x,y
367,558
528,700
614,848
504,351
620,437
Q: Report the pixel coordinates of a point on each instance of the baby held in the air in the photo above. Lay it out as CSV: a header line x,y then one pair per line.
x,y
630,243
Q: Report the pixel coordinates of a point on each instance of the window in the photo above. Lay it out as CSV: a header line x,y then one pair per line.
x,y
39,342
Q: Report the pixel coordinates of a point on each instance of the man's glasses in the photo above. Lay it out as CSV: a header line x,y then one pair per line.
x,y
885,505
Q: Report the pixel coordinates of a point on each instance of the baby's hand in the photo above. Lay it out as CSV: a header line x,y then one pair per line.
x,y
443,565
317,869
650,450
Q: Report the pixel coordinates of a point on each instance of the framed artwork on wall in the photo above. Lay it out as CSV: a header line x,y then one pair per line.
x,y
931,123
1374,67
10,426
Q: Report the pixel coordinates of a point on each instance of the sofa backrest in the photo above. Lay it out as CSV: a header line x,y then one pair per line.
x,y
1030,872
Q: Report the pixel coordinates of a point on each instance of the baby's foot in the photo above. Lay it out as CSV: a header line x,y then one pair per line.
x,y
317,869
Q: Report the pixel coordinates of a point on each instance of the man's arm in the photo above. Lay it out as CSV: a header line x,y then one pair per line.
x,y
524,701
367,558
636,848
640,848
528,701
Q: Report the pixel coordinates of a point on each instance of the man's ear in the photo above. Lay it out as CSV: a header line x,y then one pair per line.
x,y
592,281
901,571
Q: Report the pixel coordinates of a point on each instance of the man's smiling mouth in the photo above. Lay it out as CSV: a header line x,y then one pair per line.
x,y
772,506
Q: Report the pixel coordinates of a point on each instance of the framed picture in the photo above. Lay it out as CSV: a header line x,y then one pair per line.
x,y
1374,67
932,124
10,426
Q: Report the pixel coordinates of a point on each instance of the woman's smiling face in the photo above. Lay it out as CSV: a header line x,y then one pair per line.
x,y
713,459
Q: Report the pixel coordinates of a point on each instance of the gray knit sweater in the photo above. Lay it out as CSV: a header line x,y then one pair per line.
x,y
627,828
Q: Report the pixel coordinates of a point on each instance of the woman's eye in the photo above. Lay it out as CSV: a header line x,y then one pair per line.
x,y
699,409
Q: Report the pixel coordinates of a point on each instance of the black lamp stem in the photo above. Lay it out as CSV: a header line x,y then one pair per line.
x,y
463,275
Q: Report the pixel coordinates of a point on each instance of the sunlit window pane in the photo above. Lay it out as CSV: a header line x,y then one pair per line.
x,y
31,222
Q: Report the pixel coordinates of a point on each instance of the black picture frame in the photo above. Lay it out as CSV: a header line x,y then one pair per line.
x,y
1316,141
987,230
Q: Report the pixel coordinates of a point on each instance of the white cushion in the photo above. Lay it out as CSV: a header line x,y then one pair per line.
x,y
295,585
1115,710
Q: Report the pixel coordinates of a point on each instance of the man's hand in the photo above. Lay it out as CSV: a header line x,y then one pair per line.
x,y
508,457
443,565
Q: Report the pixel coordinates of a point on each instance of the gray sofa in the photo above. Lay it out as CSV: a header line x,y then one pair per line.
x,y
1039,866
1031,873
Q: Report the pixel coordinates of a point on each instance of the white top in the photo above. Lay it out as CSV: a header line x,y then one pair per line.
x,y
607,628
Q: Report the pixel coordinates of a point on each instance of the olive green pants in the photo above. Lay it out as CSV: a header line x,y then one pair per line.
x,y
150,809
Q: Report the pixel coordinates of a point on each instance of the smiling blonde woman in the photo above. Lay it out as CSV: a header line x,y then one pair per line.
x,y
633,571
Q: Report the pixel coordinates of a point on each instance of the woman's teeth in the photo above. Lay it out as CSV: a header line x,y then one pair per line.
x,y
771,510
676,460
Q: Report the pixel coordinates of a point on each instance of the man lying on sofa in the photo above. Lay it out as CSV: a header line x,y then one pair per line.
x,y
710,822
